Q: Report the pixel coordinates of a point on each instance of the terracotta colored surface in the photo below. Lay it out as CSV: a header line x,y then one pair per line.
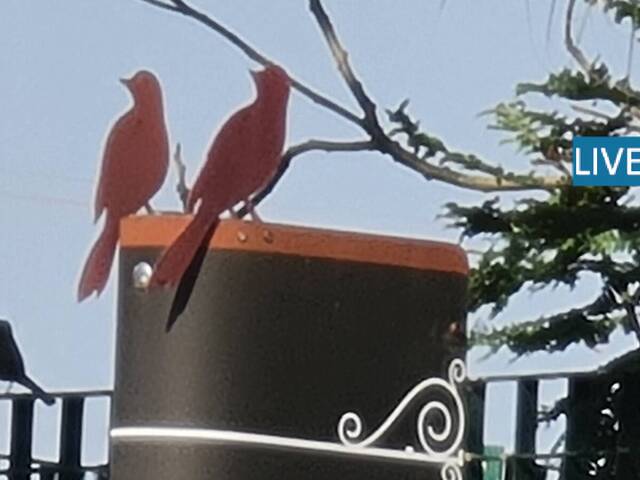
x,y
161,231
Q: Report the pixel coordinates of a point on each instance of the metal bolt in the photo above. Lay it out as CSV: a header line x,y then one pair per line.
x,y
141,275
242,237
267,236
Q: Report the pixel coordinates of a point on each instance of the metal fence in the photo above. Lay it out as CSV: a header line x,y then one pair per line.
x,y
19,461
580,453
602,433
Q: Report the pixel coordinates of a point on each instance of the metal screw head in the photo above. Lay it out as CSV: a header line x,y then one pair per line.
x,y
141,275
267,236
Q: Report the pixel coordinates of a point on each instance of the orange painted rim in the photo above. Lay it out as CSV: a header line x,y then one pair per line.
x,y
160,231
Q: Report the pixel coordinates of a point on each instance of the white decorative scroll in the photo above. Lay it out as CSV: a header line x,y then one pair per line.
x,y
350,424
450,459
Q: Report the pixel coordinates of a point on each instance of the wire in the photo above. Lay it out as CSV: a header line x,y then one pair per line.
x,y
46,176
43,199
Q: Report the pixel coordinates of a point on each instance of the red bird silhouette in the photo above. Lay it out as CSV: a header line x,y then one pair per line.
x,y
242,159
134,166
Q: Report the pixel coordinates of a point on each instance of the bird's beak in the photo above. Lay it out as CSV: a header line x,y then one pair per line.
x,y
254,74
126,82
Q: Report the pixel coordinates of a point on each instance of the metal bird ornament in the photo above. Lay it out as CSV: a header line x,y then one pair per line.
x,y
134,167
244,156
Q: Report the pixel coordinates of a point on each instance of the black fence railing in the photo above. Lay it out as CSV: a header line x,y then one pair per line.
x,y
602,433
610,392
19,463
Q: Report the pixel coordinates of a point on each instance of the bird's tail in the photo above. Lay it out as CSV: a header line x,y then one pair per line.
x,y
37,390
175,260
188,281
98,265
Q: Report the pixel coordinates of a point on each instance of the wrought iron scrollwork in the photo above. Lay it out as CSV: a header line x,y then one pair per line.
x,y
442,443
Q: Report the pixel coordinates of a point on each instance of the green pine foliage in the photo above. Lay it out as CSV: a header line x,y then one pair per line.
x,y
574,230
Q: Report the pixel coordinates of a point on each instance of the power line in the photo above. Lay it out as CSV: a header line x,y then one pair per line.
x,y
46,176
43,199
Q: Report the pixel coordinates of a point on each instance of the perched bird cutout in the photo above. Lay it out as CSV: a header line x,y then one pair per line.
x,y
244,156
134,167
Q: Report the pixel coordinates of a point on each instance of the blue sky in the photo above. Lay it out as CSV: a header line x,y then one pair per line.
x,y
59,94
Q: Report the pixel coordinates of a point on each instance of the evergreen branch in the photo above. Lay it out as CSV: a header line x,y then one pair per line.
x,y
591,324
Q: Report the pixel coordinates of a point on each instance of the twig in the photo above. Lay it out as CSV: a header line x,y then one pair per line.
x,y
369,123
583,23
386,145
592,112
554,162
632,35
181,187
329,146
180,6
308,146
159,4
570,44
340,55
550,22
629,114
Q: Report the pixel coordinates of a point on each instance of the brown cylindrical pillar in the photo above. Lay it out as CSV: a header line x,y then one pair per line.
x,y
287,329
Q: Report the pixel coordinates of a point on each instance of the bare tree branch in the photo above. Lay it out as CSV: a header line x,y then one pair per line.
x,y
159,4
180,6
550,21
329,146
341,57
473,182
308,146
632,35
568,39
386,145
181,186
379,141
591,111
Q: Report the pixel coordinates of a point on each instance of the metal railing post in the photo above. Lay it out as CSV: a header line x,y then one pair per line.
x,y
526,427
476,392
21,438
71,438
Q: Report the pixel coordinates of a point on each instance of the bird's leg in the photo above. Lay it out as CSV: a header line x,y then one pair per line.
x,y
252,211
9,387
233,213
181,187
149,209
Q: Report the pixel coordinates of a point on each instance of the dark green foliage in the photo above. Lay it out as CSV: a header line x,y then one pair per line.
x,y
624,9
429,147
557,237
591,324
572,85
602,422
416,139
